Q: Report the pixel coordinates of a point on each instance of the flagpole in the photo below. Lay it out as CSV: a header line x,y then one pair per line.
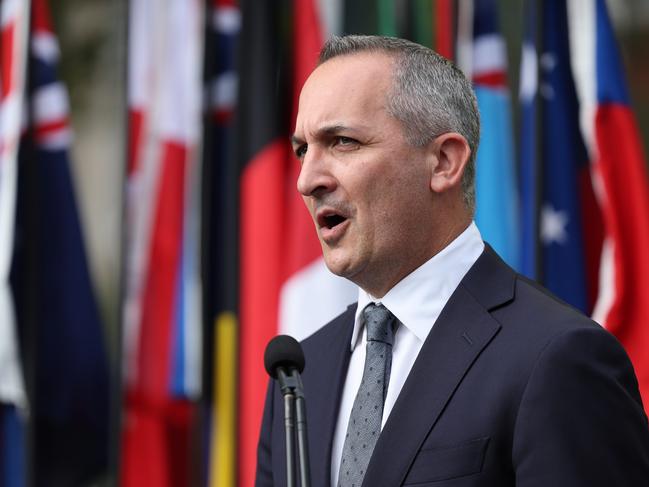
x,y
207,247
538,142
122,32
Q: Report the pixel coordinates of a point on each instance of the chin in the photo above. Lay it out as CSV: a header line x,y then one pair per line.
x,y
337,264
341,265
335,268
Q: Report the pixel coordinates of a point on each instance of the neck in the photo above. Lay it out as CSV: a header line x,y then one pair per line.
x,y
380,283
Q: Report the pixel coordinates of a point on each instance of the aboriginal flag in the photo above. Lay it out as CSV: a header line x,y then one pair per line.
x,y
284,284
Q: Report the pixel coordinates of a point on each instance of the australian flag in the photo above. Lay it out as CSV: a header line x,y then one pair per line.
x,y
58,320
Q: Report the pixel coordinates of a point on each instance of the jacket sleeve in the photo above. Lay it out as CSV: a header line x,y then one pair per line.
x,y
264,475
580,422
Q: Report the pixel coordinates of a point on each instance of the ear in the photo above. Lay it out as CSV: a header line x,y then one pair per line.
x,y
450,153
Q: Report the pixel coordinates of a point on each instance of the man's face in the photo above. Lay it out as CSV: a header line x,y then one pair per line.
x,y
366,187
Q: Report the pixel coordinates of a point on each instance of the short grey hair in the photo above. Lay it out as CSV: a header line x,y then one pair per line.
x,y
430,96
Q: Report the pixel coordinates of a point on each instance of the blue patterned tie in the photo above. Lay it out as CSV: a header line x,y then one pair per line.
x,y
365,420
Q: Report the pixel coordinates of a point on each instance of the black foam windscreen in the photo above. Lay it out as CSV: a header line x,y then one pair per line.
x,y
283,351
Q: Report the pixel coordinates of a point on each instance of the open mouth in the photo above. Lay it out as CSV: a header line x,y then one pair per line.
x,y
330,219
333,220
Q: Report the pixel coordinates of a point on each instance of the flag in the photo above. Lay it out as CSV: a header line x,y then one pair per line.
x,y
482,56
14,31
363,16
421,20
61,330
594,193
285,286
14,25
619,172
13,445
220,190
444,28
565,165
560,220
528,175
162,310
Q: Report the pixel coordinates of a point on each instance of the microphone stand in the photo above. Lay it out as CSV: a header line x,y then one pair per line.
x,y
293,392
302,439
287,386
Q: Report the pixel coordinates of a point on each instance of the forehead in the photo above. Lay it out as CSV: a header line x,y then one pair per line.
x,y
346,87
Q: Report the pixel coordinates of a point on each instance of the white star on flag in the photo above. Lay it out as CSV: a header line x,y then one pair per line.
x,y
553,225
548,62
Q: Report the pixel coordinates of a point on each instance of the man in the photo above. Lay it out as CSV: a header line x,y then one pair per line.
x,y
452,369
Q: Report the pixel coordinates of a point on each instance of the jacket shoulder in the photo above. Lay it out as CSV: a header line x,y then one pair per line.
x,y
332,332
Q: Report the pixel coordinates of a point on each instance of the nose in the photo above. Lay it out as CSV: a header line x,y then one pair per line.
x,y
315,177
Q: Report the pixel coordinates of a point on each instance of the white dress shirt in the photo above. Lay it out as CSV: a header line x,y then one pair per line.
x,y
416,301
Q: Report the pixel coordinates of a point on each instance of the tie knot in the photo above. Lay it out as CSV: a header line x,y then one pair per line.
x,y
378,321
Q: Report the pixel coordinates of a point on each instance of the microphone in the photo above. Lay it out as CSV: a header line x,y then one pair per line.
x,y
283,354
284,361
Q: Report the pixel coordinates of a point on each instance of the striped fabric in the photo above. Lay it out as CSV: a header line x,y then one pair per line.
x,y
621,182
220,180
482,56
584,186
14,28
285,286
163,308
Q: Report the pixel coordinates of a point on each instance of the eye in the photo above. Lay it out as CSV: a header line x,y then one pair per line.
x,y
345,142
300,151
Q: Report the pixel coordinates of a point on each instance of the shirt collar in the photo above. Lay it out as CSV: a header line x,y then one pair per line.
x,y
418,299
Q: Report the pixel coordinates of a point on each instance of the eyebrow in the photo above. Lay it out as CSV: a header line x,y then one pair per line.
x,y
327,130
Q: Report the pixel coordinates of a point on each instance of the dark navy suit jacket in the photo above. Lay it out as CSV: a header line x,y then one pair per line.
x,y
511,388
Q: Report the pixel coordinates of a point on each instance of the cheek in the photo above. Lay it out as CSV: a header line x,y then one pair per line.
x,y
401,207
309,206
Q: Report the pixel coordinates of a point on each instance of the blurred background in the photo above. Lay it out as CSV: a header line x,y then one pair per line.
x,y
153,242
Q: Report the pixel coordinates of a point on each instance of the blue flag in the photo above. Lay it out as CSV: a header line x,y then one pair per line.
x,y
496,194
12,447
564,157
63,349
528,170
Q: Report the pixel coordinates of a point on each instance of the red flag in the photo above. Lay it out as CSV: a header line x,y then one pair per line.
x,y
622,168
162,319
285,287
621,183
444,21
14,28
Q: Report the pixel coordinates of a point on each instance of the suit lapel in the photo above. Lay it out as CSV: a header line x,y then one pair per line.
x,y
462,331
328,365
